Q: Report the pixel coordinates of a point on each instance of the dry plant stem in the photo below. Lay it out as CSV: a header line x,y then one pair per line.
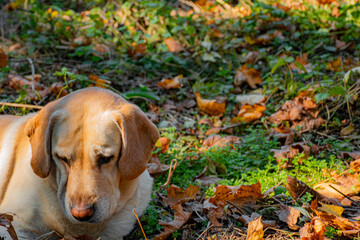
x,y
171,171
357,204
139,223
32,74
20,105
204,231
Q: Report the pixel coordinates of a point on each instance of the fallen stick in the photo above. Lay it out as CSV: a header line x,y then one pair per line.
x,y
20,105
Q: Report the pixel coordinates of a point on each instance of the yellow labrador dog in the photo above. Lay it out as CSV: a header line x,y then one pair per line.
x,y
77,167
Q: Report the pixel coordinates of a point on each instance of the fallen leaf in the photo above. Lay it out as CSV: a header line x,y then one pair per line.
x,y
250,99
180,218
347,130
98,82
173,45
176,195
17,82
137,50
212,107
57,88
208,180
100,50
338,222
246,219
163,143
238,195
249,113
289,215
255,230
81,41
297,189
155,168
3,58
314,230
304,63
171,83
217,140
250,75
332,209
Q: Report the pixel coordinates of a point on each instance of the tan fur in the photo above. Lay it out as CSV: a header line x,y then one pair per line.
x,y
40,188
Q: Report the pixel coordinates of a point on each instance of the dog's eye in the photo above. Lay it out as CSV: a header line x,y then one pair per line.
x,y
64,159
104,159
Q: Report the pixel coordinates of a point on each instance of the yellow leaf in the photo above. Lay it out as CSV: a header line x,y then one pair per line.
x,y
332,209
54,14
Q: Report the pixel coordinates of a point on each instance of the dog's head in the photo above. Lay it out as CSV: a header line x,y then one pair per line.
x,y
96,144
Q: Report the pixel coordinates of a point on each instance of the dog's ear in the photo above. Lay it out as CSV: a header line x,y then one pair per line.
x,y
39,129
138,135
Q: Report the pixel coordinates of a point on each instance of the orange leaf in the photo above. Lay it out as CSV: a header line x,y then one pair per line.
x,y
173,45
217,140
180,218
176,195
102,83
3,58
255,230
249,113
57,88
212,107
250,75
238,195
171,83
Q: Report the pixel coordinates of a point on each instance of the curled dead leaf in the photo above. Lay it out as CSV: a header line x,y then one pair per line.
x,y
250,75
3,58
314,230
180,218
249,113
171,83
289,215
217,140
176,195
255,230
173,45
211,107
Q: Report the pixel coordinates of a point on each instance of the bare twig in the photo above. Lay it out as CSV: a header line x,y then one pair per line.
x,y
20,105
32,74
172,167
356,203
139,223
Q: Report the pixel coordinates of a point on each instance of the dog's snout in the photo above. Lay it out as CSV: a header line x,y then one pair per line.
x,y
82,212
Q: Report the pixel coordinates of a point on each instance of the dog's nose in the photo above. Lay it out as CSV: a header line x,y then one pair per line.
x,y
82,212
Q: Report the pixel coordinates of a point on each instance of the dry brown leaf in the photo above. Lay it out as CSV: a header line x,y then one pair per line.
x,y
98,82
355,165
155,168
246,219
180,218
238,195
250,75
249,113
289,215
58,88
347,130
338,222
255,230
171,83
207,180
176,195
17,82
211,107
3,58
81,41
339,65
297,189
314,230
303,60
217,140
173,45
137,50
100,50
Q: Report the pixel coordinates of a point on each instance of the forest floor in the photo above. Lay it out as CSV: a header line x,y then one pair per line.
x,y
257,103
